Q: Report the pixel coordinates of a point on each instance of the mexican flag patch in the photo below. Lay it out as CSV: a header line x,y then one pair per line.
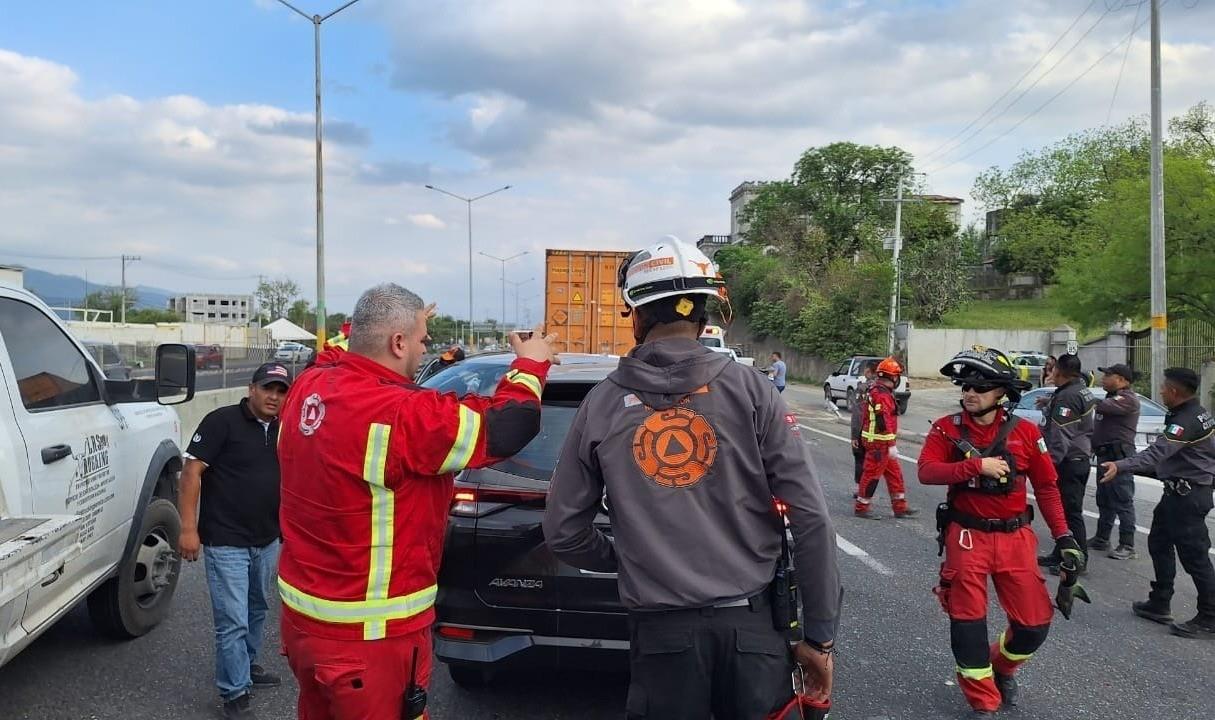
x,y
1042,446
1064,412
1174,431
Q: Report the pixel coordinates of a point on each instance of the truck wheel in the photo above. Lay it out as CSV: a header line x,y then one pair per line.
x,y
470,678
135,601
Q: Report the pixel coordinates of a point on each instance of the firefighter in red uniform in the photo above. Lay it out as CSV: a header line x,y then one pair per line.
x,y
367,460
984,455
879,430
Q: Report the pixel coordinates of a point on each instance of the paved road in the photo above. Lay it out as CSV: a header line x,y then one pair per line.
x,y
895,662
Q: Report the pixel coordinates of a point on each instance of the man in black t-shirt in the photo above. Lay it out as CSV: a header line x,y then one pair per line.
x,y
232,466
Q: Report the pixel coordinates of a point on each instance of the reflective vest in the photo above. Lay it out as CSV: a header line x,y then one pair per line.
x,y
880,423
366,459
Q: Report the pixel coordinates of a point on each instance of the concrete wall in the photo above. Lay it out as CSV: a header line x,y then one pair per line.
x,y
155,334
192,413
1108,350
928,350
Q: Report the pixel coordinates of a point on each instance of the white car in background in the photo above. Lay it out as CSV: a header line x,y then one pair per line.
x,y
292,352
1151,414
841,384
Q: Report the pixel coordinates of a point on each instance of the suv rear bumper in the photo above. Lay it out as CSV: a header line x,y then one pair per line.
x,y
509,648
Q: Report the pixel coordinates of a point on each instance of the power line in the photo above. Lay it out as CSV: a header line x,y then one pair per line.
x,y
1012,87
37,256
1032,85
1129,41
1043,106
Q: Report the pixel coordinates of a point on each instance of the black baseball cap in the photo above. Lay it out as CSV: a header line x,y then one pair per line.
x,y
270,373
1119,369
1184,377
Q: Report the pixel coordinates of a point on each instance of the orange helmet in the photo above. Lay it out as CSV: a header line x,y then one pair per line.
x,y
890,368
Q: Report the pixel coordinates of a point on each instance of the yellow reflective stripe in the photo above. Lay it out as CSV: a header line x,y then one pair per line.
x,y
876,436
531,382
356,611
466,442
1011,656
975,673
379,573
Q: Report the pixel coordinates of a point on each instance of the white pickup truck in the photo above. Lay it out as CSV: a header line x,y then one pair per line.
x,y
714,338
88,480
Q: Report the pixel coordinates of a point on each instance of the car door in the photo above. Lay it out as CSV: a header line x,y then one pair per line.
x,y
839,379
70,438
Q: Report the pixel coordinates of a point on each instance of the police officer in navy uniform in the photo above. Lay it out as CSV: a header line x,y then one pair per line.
x,y
1067,426
1183,459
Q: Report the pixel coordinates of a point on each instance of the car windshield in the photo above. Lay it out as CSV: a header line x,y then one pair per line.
x,y
712,342
538,460
464,378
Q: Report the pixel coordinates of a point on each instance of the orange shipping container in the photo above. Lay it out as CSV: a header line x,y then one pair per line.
x,y
582,304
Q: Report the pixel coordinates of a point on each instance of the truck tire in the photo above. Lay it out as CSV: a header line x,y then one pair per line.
x,y
134,602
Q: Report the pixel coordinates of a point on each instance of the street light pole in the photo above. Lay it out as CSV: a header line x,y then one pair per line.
x,y
1160,320
504,261
321,316
516,286
898,247
469,201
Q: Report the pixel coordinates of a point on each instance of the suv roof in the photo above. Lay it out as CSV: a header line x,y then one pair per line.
x,y
574,367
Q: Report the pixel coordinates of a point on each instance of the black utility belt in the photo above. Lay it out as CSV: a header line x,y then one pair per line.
x,y
974,522
1179,486
1116,450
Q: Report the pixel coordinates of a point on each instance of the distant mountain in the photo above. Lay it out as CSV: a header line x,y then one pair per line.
x,y
63,290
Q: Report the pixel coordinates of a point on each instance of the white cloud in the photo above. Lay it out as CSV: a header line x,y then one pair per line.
x,y
615,122
428,221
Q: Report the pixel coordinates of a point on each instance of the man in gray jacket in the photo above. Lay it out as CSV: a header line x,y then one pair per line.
x,y
693,450
1114,428
1067,426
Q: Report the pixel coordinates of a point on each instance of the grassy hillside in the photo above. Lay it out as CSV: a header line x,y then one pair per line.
x,y
1033,314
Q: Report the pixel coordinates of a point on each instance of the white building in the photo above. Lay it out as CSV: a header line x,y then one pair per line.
x,y
13,275
215,309
953,205
739,198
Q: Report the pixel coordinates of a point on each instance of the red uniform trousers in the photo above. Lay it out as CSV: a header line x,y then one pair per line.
x,y
880,462
1010,560
354,679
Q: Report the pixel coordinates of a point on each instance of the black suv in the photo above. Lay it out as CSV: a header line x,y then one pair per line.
x,y
504,600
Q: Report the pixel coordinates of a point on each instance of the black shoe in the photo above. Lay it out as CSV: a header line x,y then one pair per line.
x,y
1152,611
1007,685
262,677
1123,552
1051,560
1096,543
239,708
1196,629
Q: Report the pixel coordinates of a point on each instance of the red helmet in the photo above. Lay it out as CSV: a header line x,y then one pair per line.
x,y
890,368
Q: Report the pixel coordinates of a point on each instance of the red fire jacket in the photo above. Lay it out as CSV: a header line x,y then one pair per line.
x,y
879,418
367,460
941,463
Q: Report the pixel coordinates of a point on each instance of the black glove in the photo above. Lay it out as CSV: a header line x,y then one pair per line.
x,y
1066,548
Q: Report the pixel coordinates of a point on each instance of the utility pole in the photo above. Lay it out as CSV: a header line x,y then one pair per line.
x,y
898,247
504,261
1160,321
321,317
516,286
123,300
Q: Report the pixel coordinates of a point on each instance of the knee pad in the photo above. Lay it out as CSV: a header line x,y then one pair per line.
x,y
1018,642
968,639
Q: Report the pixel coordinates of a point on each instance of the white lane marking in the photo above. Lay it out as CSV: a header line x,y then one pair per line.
x,y
863,556
1087,513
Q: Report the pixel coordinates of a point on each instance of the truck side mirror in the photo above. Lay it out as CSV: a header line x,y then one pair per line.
x,y
174,374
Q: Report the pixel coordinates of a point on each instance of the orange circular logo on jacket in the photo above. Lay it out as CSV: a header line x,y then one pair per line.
x,y
675,448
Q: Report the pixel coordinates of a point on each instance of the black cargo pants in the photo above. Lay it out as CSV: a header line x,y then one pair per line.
x,y
1179,524
1073,477
727,662
1116,498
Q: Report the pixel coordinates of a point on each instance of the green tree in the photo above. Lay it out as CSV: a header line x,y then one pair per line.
x,y
333,324
936,264
152,315
110,299
831,205
1110,281
276,297
302,314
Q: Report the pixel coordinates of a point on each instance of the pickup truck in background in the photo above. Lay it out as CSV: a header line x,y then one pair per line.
x,y
88,480
842,383
714,338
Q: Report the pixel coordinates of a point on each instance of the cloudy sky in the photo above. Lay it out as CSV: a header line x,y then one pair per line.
x,y
181,130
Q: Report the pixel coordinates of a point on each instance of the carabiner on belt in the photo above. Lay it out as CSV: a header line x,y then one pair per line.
x,y
966,541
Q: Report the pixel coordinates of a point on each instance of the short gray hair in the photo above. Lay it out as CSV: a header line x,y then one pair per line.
x,y
381,311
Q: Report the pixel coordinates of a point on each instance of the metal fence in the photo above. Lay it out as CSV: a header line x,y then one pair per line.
x,y
1191,343
217,366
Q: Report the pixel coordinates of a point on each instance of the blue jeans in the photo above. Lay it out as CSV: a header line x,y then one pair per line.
x,y
241,581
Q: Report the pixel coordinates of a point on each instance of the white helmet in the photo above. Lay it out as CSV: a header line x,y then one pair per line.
x,y
668,269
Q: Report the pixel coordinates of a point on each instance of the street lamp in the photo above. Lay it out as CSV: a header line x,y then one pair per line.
x,y
321,316
469,201
504,261
516,286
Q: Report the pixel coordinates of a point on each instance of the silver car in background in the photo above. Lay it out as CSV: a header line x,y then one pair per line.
x,y
1151,414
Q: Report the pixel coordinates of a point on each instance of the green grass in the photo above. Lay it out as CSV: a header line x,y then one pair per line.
x,y
1033,314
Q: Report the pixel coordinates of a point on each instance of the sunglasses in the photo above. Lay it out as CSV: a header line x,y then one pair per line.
x,y
979,388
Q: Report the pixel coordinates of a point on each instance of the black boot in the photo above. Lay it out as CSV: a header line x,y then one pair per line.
x,y
1098,543
1199,628
1156,612
1007,685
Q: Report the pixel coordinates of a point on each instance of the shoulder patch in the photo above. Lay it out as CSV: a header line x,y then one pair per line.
x,y
631,400
1042,446
1064,412
1175,431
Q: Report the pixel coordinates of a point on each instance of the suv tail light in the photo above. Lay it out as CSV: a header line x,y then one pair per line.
x,y
476,501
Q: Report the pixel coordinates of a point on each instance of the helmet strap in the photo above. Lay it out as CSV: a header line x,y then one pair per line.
x,y
980,413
